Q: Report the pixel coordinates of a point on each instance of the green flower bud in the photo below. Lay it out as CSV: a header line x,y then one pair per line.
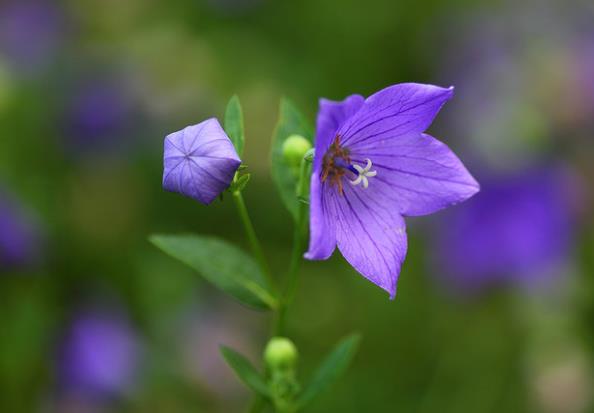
x,y
294,149
280,354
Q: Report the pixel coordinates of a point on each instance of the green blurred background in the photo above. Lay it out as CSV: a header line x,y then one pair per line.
x,y
93,318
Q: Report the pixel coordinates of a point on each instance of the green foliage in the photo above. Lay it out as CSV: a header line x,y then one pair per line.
x,y
281,386
224,265
27,318
291,122
331,369
245,371
240,182
234,124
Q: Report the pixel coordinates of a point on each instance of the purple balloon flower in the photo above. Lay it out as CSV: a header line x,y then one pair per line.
x,y
199,161
518,229
373,165
99,355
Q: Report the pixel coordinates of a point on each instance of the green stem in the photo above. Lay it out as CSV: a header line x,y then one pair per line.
x,y
296,258
252,238
300,230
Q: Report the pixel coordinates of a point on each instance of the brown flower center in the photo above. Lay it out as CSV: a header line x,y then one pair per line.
x,y
335,164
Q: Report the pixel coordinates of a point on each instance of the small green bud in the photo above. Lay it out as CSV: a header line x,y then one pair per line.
x,y
280,354
294,149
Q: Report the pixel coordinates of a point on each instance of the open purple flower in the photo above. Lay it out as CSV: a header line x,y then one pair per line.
x,y
199,161
373,165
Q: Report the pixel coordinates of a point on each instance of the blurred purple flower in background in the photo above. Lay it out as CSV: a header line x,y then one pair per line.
x,y
530,110
99,355
199,161
20,240
30,33
361,210
519,229
99,116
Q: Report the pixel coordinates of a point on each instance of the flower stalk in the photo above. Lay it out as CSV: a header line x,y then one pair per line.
x,y
250,233
299,233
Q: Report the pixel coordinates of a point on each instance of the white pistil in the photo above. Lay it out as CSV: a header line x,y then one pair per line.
x,y
364,173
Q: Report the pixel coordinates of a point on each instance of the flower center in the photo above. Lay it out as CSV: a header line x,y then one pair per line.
x,y
337,163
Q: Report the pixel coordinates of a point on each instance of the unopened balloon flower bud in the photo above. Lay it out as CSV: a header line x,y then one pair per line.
x,y
294,149
280,354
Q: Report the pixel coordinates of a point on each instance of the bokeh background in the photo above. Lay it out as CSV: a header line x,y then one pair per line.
x,y
495,305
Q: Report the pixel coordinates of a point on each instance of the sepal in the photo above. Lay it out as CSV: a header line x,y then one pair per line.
x,y
234,124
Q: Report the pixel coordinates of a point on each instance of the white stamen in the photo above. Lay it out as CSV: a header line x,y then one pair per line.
x,y
364,173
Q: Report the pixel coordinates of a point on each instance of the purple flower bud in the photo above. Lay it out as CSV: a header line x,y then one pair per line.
x,y
99,354
199,161
19,237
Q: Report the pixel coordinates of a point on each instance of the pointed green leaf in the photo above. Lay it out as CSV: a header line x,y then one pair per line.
x,y
234,124
331,368
221,263
245,371
240,183
290,122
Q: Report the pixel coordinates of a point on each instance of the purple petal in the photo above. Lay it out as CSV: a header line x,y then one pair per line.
x,y
370,234
322,232
200,161
331,116
418,173
394,111
322,239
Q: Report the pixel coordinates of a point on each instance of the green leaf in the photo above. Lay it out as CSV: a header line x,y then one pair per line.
x,y
245,371
240,183
223,264
234,124
331,368
290,122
